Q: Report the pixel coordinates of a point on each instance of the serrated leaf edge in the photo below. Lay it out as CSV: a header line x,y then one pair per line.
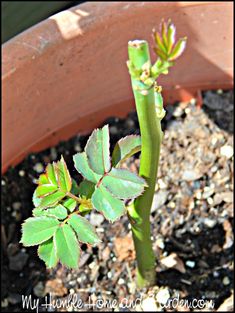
x,y
65,265
101,212
37,217
57,259
93,228
135,195
120,140
89,139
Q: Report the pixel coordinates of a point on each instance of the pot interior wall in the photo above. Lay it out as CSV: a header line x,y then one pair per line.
x,y
68,74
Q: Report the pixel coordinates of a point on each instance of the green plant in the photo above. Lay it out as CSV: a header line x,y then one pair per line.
x,y
58,223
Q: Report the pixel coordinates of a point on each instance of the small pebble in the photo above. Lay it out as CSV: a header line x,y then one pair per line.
x,y
178,112
226,281
226,151
162,184
149,305
22,173
160,243
210,201
113,130
214,169
109,275
16,205
187,110
210,222
216,274
96,219
39,290
163,295
38,167
77,147
53,153
193,101
190,264
129,123
121,281
4,303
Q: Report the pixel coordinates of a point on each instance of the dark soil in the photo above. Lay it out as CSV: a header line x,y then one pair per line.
x,y
192,216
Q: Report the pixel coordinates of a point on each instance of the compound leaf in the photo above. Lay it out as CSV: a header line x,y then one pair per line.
x,y
47,253
84,230
125,148
97,150
82,166
104,202
124,184
67,246
36,230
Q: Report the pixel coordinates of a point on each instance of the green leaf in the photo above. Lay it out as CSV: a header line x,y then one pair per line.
x,y
104,202
171,37
43,190
70,204
43,179
160,53
86,189
74,189
97,150
164,29
82,166
59,212
36,230
125,148
50,172
37,212
63,177
124,184
159,42
84,209
52,199
67,246
47,253
36,200
178,49
84,230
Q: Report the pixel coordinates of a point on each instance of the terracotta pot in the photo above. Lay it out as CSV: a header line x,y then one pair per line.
x,y
68,73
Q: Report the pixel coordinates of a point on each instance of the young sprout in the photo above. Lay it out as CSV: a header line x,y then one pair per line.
x,y
166,46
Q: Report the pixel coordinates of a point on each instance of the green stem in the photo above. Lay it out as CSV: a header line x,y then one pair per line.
x,y
80,200
151,135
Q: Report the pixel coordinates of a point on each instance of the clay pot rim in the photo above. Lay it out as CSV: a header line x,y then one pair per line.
x,y
8,67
